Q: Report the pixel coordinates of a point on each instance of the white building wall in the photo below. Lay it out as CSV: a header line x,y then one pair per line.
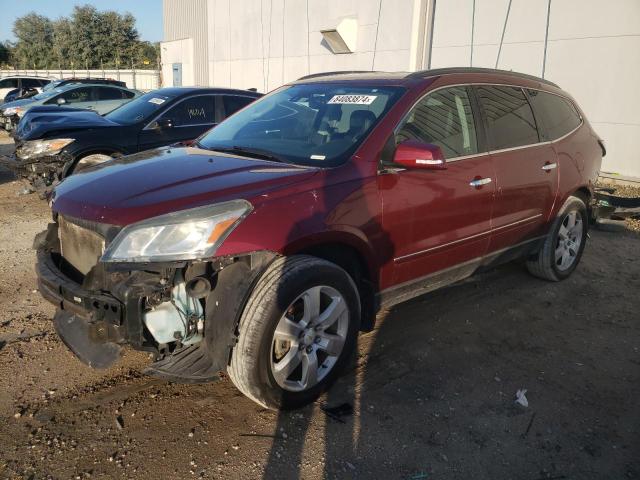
x,y
178,51
265,43
185,20
593,52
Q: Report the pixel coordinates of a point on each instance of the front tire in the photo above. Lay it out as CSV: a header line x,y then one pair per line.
x,y
296,333
563,247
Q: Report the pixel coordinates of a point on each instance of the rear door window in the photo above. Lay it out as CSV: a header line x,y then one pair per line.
x,y
199,110
558,115
233,103
106,93
9,83
443,118
509,117
31,83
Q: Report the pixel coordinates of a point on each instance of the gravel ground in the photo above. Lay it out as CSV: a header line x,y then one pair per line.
x,y
432,392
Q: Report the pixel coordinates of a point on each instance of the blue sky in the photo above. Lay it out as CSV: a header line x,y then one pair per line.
x,y
148,13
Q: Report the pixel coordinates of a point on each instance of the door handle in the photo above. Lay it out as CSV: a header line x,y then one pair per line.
x,y
549,166
479,182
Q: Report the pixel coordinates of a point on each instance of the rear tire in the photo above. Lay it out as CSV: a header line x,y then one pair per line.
x,y
286,355
563,247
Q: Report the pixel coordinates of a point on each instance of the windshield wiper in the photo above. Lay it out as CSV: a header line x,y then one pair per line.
x,y
251,152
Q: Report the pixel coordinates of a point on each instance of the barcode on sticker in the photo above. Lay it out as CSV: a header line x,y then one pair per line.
x,y
353,99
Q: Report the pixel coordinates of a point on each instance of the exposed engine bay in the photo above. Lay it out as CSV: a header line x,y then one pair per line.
x,y
184,313
40,174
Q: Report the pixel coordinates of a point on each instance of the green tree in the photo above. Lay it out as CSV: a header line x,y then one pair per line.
x,y
34,45
88,39
5,53
147,55
65,48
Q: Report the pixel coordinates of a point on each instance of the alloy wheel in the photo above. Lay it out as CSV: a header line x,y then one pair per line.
x,y
569,240
309,338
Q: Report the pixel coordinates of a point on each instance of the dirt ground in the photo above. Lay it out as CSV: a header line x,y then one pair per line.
x,y
432,393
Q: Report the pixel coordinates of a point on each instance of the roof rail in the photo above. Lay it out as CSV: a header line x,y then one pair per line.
x,y
453,70
340,72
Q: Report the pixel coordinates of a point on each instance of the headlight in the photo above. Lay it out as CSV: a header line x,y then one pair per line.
x,y
38,148
186,235
13,111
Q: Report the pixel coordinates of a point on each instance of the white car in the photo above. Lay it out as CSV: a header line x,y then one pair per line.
x,y
8,84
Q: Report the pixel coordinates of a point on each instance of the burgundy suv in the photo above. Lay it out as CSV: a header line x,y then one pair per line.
x,y
263,248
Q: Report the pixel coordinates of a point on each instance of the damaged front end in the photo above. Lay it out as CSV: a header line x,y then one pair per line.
x,y
40,174
184,313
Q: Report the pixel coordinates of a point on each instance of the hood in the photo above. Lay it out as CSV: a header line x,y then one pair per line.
x,y
155,182
38,121
17,103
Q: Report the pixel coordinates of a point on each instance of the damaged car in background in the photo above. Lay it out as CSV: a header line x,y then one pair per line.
x,y
98,98
54,142
21,84
262,248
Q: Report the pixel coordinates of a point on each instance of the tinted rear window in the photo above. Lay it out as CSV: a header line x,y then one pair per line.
x,y
105,93
9,83
31,83
557,114
233,103
509,116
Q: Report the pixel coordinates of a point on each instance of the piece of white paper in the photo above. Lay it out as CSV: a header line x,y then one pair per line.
x,y
352,99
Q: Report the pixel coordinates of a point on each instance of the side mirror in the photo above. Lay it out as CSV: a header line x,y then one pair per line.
x,y
61,101
412,154
164,123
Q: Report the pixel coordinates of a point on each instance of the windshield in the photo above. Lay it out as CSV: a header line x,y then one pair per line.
x,y
138,109
316,124
51,85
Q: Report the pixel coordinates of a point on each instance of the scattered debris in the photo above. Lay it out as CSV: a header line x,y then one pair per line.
x,y
521,398
418,476
119,422
529,426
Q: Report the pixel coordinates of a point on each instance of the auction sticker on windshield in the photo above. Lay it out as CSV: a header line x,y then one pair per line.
x,y
353,99
157,101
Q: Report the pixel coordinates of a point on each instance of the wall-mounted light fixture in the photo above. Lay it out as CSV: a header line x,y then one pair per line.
x,y
344,37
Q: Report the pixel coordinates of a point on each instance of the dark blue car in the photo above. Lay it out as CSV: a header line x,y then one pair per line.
x,y
53,142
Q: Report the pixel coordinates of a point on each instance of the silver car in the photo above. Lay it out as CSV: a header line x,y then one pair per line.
x,y
100,98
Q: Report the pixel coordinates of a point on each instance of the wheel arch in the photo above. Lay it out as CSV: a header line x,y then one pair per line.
x,y
352,255
90,151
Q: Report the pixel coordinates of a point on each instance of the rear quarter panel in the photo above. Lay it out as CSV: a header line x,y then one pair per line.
x,y
579,161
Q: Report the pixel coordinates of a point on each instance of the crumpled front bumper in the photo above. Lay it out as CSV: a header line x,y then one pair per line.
x,y
105,310
92,323
71,297
9,122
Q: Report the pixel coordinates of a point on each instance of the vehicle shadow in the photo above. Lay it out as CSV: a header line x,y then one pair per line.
x,y
400,387
6,176
348,203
